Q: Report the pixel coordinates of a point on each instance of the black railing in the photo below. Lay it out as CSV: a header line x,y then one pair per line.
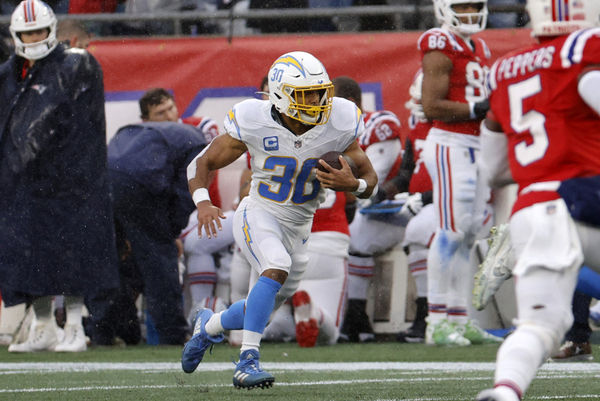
x,y
226,18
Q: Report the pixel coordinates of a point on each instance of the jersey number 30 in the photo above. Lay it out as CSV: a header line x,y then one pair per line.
x,y
289,181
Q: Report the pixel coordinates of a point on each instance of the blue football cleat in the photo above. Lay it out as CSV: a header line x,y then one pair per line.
x,y
248,374
194,350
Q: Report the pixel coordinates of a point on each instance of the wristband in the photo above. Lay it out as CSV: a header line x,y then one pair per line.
x,y
375,190
200,195
362,187
472,110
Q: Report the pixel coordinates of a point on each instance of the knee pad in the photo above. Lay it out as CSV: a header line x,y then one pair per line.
x,y
550,325
543,309
276,256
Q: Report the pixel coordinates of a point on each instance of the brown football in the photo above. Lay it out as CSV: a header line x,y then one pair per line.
x,y
332,158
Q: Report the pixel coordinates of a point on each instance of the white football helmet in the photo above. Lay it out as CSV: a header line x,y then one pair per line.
x,y
31,15
551,18
291,79
446,16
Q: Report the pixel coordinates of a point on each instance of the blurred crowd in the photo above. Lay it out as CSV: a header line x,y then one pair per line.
x,y
407,21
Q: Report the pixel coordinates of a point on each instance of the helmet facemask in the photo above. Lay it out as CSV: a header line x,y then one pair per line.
x,y
300,108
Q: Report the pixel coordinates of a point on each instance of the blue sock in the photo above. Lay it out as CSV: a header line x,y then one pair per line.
x,y
233,317
588,282
260,303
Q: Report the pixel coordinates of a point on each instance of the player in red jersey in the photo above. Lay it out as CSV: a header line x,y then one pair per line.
x,y
381,141
415,179
546,101
454,99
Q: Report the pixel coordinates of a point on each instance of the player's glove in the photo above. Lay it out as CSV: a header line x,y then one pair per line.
x,y
412,203
416,109
479,109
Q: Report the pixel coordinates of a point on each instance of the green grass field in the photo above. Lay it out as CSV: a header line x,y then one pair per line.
x,y
381,371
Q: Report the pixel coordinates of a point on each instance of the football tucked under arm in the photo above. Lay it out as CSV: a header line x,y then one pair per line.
x,y
342,173
333,159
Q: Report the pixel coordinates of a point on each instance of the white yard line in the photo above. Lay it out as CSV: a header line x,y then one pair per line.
x,y
30,367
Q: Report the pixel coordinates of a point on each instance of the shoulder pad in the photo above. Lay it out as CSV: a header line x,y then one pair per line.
x,y
345,115
244,116
439,39
486,50
581,46
374,128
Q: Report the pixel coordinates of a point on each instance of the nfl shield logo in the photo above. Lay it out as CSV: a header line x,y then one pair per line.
x,y
298,144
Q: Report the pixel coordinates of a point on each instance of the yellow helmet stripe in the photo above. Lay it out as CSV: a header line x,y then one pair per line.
x,y
289,60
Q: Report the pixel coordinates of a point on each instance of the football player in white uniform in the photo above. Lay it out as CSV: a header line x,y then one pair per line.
x,y
285,137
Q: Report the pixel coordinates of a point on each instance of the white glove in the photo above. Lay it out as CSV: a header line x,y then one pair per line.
x,y
412,205
416,109
402,197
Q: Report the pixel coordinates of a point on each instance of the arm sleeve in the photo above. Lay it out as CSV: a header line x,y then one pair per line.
x,y
493,162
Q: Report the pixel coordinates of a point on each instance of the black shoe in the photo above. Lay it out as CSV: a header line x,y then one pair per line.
x,y
414,334
356,327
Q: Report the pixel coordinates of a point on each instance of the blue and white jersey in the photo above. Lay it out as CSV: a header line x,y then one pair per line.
x,y
283,175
